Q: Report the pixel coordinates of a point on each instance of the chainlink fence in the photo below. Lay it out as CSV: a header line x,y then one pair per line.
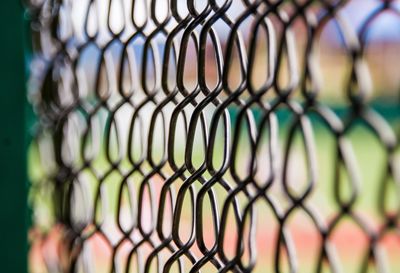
x,y
215,136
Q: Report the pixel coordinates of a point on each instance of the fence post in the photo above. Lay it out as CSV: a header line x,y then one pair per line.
x,y
13,179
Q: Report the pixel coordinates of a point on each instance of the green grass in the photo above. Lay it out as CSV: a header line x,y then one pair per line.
x,y
370,161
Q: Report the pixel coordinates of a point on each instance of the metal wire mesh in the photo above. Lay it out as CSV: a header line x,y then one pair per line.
x,y
206,136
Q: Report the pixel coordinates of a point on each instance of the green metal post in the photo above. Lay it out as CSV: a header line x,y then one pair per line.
x,y
13,178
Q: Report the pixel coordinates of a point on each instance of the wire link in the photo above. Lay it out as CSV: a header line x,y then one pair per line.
x,y
185,136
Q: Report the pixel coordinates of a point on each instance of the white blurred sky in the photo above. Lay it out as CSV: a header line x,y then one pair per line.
x,y
385,28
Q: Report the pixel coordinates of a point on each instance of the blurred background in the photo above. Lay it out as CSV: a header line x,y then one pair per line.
x,y
105,72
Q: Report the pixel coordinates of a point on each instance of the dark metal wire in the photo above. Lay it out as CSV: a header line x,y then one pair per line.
x,y
135,125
